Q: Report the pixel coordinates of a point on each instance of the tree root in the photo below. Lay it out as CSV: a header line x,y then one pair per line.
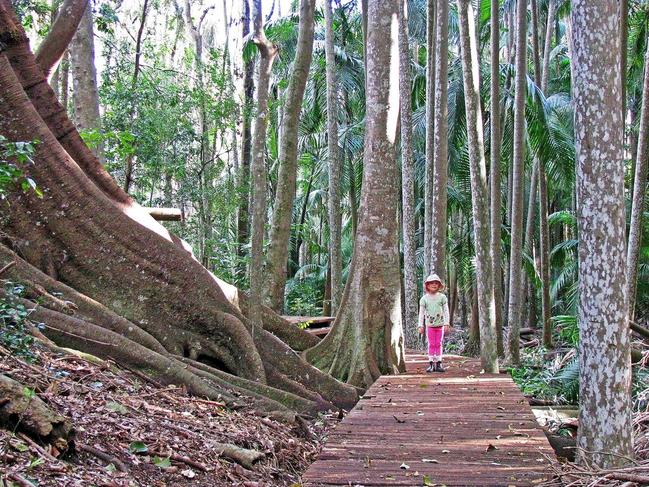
x,y
23,410
102,455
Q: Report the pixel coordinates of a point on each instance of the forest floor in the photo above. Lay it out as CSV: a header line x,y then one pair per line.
x,y
160,435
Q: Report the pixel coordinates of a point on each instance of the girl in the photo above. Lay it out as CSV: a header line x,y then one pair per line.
x,y
433,315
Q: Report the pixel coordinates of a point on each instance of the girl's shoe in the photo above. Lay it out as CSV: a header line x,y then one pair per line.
x,y
431,368
439,367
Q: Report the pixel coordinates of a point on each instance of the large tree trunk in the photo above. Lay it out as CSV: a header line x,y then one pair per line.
x,y
514,315
366,339
85,231
431,37
605,426
440,152
495,190
639,192
85,96
267,53
407,185
479,191
335,165
277,257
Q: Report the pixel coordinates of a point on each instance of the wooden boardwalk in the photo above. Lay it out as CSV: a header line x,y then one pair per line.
x,y
458,428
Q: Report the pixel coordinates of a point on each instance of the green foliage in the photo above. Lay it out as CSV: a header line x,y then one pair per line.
x,y
304,296
14,323
13,155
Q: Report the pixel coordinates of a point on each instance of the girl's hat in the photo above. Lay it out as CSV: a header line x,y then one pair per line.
x,y
433,278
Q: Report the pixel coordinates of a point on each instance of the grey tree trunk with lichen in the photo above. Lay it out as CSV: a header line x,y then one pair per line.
x,y
407,184
479,191
605,425
431,23
335,165
515,301
440,152
639,191
267,54
85,96
366,340
280,231
495,191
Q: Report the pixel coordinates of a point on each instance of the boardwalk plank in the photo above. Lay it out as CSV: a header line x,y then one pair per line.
x,y
474,429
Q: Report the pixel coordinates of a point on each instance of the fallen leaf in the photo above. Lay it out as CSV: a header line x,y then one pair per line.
x,y
404,466
398,420
138,447
189,473
162,462
429,460
427,481
491,447
116,407
446,451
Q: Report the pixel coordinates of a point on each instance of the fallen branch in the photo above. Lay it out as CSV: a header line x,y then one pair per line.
x,y
244,457
182,459
7,267
102,455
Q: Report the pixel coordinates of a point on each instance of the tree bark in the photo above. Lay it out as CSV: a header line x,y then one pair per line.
x,y
335,164
267,54
639,192
277,257
366,338
479,191
65,25
85,96
495,184
605,425
411,307
514,314
431,37
440,152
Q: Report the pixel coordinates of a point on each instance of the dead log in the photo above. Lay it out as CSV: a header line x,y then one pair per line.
x,y
527,331
640,330
165,214
21,409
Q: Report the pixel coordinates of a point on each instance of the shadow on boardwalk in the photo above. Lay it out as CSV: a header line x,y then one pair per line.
x,y
455,428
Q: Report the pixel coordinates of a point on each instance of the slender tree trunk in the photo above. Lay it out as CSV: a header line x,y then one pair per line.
x,y
495,195
514,315
605,426
430,134
639,192
280,233
440,151
85,96
335,169
267,54
544,233
479,191
410,301
366,339
64,79
624,43
243,184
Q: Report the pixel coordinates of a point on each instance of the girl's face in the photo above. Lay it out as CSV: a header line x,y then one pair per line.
x,y
433,287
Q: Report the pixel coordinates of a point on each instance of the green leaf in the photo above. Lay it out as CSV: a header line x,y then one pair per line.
x,y
28,392
427,481
138,447
116,407
110,468
162,462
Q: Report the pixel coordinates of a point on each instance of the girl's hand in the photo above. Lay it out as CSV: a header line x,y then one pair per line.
x,y
421,330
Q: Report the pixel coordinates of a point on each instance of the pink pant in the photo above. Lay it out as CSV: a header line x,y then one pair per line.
x,y
435,339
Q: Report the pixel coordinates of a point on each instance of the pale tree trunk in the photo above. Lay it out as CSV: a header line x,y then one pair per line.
x,y
366,340
624,42
495,196
64,79
335,164
440,152
277,257
479,191
639,192
85,96
430,134
514,315
605,426
544,232
407,184
267,54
